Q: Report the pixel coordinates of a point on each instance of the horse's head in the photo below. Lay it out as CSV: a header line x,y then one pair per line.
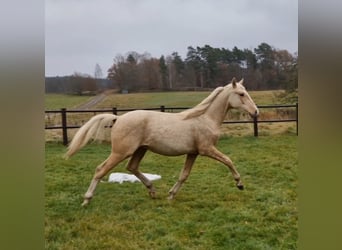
x,y
240,99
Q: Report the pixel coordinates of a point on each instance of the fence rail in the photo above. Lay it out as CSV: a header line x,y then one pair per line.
x,y
64,126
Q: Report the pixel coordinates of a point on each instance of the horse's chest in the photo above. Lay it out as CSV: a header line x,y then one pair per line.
x,y
207,133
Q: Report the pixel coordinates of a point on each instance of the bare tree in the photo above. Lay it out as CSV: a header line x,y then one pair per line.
x,y
98,72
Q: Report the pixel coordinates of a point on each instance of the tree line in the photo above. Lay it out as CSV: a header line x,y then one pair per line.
x,y
204,67
77,84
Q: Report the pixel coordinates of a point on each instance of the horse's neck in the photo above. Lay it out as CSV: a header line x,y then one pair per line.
x,y
218,109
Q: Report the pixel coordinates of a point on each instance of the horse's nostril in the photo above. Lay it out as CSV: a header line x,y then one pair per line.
x,y
256,113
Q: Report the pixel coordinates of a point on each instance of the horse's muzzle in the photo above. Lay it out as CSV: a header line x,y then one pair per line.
x,y
255,114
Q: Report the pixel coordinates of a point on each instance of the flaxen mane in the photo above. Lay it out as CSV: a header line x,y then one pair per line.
x,y
200,108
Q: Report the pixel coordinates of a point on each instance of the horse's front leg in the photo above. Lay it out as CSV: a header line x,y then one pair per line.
x,y
190,159
214,153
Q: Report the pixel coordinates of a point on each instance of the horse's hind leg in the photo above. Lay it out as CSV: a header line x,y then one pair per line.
x,y
133,166
190,159
101,170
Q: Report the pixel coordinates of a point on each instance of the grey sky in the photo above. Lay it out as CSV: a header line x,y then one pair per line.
x,y
81,33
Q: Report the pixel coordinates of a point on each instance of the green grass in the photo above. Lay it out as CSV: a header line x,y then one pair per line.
x,y
58,101
148,100
209,212
153,100
173,99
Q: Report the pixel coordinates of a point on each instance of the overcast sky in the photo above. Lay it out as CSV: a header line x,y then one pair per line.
x,y
82,33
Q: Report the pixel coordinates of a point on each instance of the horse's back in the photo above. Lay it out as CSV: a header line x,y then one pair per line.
x,y
163,133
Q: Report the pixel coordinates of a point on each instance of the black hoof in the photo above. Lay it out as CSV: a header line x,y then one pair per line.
x,y
241,187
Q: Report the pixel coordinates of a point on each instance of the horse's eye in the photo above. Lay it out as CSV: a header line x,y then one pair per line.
x,y
241,94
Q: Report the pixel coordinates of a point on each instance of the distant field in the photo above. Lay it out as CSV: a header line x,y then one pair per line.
x,y
58,101
173,99
147,100
209,212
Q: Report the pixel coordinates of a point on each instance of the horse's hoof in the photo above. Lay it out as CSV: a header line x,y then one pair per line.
x,y
85,203
152,194
240,186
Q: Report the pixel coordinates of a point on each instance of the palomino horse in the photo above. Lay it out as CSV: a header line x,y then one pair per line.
x,y
192,132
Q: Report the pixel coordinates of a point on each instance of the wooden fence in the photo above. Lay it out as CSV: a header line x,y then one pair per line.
x,y
64,126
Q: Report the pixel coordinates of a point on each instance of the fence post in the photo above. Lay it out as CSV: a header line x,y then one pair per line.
x,y
64,126
297,118
162,108
255,123
115,111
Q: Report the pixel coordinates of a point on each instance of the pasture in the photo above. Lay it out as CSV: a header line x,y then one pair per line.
x,y
58,101
209,212
149,100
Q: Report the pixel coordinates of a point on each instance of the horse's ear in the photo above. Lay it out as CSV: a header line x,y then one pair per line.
x,y
241,81
234,82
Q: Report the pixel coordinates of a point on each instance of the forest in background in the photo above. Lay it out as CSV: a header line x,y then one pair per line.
x,y
263,68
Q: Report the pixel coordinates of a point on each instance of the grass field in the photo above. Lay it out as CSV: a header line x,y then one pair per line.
x,y
209,212
148,100
58,101
173,99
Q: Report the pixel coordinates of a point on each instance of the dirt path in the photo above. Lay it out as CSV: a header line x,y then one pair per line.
x,y
93,101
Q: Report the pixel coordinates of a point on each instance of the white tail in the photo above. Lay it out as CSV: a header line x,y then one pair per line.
x,y
91,129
